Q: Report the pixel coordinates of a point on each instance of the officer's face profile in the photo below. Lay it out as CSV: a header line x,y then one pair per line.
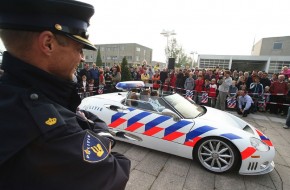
x,y
64,54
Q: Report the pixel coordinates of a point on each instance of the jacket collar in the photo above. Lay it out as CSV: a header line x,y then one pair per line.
x,y
19,73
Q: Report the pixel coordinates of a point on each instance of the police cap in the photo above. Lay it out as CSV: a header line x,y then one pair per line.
x,y
66,17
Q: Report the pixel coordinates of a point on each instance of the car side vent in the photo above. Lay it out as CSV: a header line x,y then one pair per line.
x,y
253,166
248,129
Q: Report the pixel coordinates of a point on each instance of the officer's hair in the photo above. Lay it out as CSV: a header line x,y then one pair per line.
x,y
20,41
61,40
16,40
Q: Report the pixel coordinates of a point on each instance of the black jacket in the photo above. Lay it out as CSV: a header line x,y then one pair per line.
x,y
43,144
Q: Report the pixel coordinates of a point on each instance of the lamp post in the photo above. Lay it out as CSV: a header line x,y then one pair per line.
x,y
167,34
193,58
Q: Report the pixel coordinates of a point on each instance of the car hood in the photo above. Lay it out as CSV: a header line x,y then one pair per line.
x,y
223,118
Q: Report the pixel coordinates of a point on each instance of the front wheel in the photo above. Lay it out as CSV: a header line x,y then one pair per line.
x,y
217,155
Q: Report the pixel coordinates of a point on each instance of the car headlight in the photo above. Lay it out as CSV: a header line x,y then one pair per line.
x,y
259,145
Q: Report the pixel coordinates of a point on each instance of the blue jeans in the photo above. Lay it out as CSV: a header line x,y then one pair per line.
x,y
288,117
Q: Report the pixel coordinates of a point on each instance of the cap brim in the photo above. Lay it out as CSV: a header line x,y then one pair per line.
x,y
87,44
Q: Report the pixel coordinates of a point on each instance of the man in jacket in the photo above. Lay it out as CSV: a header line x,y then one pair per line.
x,y
223,89
45,144
245,103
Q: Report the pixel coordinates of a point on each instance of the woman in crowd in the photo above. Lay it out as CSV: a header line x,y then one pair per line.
x,y
156,80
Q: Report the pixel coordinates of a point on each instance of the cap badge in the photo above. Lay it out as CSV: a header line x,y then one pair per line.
x,y
58,26
51,121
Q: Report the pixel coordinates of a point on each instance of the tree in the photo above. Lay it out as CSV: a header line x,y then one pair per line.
x,y
99,59
176,51
125,71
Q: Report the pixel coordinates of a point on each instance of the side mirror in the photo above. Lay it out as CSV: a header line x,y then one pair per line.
x,y
170,113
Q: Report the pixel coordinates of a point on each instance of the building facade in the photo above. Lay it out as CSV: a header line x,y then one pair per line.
x,y
276,46
135,54
270,64
112,54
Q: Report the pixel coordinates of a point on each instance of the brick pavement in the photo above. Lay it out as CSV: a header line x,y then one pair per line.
x,y
153,170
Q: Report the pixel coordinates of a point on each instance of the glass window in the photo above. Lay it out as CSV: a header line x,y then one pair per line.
x,y
188,110
277,45
137,49
137,58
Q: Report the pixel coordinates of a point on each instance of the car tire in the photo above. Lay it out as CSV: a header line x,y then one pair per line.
x,y
217,155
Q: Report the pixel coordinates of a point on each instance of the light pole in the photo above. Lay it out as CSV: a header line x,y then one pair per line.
x,y
193,58
167,34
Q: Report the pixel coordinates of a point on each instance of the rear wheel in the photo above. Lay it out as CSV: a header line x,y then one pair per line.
x,y
217,154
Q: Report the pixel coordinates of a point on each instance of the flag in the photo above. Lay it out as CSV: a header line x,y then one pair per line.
x,y
100,90
189,93
204,98
262,105
231,102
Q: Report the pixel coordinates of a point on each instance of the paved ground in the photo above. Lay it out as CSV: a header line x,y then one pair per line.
x,y
157,171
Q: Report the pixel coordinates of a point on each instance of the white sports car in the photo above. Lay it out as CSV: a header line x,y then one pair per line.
x,y
219,141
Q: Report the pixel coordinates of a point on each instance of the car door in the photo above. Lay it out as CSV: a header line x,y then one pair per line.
x,y
152,124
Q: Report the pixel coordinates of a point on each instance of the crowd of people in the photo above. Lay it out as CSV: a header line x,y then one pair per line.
x,y
215,87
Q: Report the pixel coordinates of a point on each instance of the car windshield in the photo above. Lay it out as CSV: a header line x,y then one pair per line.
x,y
187,109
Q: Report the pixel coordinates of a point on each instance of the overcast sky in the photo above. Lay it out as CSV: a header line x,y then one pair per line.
x,y
223,27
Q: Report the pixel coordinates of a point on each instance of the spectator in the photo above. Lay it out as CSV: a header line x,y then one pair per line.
x,y
260,74
245,103
287,123
75,76
163,76
133,73
86,71
223,89
257,90
235,75
102,82
278,91
166,85
198,87
145,77
274,78
108,80
172,80
83,87
212,92
94,73
267,95
116,75
189,86
233,90
150,73
286,72
91,87
180,81
242,83
251,79
209,75
156,80
156,67
265,81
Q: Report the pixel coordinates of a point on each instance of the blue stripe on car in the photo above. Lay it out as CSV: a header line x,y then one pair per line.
x,y
231,136
197,132
137,117
156,122
175,127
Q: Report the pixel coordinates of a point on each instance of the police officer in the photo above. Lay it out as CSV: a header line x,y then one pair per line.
x,y
44,144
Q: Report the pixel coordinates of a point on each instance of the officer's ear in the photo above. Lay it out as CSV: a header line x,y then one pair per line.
x,y
46,42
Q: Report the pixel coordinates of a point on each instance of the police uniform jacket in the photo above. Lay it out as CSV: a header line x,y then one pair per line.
x,y
43,144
